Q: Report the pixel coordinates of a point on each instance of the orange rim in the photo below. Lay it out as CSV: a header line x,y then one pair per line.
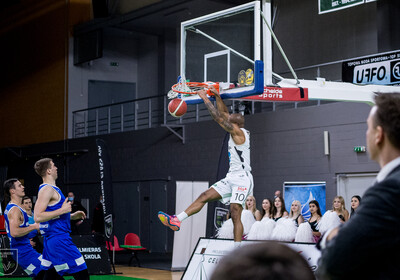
x,y
194,87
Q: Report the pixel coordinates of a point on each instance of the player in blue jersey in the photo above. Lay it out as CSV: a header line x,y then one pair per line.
x,y
19,231
53,212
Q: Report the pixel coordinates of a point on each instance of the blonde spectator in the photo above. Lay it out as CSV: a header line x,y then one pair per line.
x,y
295,212
340,209
251,205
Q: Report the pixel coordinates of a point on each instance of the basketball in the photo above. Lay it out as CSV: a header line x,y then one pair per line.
x,y
177,107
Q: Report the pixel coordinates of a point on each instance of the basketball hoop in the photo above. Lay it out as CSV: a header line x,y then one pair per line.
x,y
184,87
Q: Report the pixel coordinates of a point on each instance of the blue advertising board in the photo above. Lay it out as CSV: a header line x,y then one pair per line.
x,y
305,192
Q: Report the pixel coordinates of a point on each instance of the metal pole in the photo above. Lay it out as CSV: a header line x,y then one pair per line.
x,y
136,115
85,123
165,110
149,112
267,43
122,117
280,49
73,125
97,121
109,120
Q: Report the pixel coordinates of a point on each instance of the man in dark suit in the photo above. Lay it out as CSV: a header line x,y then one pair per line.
x,y
368,246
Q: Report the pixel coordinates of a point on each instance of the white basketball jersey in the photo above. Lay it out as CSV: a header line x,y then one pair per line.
x,y
239,155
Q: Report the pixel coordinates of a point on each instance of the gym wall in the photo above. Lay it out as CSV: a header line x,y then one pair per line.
x,y
286,145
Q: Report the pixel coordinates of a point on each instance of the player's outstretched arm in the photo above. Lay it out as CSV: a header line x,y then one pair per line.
x,y
220,104
16,219
44,197
78,215
221,119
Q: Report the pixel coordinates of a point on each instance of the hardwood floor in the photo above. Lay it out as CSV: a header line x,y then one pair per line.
x,y
147,273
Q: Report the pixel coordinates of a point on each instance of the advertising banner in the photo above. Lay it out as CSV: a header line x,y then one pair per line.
x,y
209,252
280,94
380,69
94,251
305,192
92,248
105,186
327,6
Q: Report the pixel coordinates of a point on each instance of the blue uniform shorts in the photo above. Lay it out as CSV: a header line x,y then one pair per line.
x,y
59,251
29,260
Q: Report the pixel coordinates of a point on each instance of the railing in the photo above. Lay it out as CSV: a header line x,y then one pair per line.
x,y
152,112
131,115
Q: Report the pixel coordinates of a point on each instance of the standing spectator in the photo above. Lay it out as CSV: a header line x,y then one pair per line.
x,y
76,206
98,217
251,205
277,194
340,209
367,246
279,209
295,212
355,203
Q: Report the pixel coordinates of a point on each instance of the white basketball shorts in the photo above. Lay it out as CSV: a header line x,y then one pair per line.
x,y
235,187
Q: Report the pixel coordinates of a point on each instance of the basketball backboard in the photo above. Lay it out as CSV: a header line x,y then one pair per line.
x,y
224,47
234,47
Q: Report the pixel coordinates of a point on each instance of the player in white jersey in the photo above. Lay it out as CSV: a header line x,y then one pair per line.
x,y
238,183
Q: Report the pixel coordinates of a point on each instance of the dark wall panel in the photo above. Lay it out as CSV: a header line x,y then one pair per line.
x,y
34,47
309,38
285,146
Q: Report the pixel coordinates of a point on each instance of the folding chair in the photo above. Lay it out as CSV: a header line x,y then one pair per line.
x,y
132,243
113,249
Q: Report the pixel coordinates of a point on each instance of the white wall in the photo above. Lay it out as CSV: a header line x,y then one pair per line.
x,y
192,228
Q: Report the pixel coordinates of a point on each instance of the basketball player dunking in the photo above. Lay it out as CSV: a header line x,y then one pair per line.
x,y
238,183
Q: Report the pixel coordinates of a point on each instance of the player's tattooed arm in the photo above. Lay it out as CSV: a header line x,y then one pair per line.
x,y
220,104
215,114
213,111
221,119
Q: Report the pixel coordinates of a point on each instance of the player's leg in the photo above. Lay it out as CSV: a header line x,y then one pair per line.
x,y
81,275
242,186
51,274
236,214
209,195
40,275
174,221
64,256
30,261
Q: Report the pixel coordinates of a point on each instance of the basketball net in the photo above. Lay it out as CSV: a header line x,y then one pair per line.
x,y
181,86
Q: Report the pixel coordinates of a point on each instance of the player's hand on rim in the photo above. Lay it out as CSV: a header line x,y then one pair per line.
x,y
202,93
213,90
